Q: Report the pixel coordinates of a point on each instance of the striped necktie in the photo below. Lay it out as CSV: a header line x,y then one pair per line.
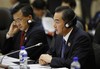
x,y
63,48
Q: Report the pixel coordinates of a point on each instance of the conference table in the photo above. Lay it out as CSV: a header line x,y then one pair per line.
x,y
10,62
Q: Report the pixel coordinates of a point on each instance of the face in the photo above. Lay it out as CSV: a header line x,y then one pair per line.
x,y
21,21
58,23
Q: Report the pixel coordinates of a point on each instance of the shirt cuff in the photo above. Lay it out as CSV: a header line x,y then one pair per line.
x,y
8,36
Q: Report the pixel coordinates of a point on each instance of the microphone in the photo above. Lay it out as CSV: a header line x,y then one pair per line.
x,y
36,45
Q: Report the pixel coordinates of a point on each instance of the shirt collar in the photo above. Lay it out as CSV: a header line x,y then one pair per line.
x,y
67,36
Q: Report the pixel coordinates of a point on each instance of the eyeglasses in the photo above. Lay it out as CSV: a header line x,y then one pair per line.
x,y
18,20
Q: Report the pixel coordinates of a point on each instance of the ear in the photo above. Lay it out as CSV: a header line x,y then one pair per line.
x,y
30,17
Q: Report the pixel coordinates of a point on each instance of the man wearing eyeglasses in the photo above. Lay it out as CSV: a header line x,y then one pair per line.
x,y
24,31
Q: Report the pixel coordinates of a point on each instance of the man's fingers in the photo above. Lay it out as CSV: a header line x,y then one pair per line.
x,y
42,62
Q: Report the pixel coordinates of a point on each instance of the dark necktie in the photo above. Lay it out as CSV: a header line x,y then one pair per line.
x,y
22,38
63,49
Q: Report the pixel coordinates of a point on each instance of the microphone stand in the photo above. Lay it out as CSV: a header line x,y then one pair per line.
x,y
38,44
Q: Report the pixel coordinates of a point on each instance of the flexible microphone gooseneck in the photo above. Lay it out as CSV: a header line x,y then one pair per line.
x,y
36,45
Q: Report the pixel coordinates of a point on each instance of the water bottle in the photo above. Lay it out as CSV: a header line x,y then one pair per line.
x,y
23,58
75,64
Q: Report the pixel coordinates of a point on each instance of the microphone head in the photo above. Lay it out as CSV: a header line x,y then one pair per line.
x,y
29,21
67,25
39,44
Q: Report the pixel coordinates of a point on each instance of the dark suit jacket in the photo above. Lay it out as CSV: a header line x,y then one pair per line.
x,y
96,48
79,45
97,35
34,35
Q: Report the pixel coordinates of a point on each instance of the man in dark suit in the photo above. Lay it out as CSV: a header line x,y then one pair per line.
x,y
25,31
5,21
70,42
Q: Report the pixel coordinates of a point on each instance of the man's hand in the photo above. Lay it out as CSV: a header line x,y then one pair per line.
x,y
13,29
45,59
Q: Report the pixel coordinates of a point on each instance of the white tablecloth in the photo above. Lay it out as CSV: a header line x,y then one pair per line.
x,y
9,61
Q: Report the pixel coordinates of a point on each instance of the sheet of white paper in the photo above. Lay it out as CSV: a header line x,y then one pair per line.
x,y
8,60
48,24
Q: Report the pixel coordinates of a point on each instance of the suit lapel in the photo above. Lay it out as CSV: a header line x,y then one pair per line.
x,y
27,34
70,40
59,44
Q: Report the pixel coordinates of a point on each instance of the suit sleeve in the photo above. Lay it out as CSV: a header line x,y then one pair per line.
x,y
8,45
34,38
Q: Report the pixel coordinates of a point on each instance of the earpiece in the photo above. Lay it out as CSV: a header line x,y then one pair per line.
x,y
67,25
70,23
29,21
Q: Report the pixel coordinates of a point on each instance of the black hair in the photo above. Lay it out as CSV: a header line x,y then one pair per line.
x,y
17,8
27,10
67,14
72,3
39,4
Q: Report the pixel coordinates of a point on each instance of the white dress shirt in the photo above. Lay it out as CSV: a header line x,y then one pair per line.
x,y
67,36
